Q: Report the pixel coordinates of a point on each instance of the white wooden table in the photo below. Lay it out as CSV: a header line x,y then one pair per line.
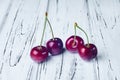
x,y
21,25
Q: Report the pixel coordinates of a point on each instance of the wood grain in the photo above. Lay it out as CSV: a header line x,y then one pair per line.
x,y
21,25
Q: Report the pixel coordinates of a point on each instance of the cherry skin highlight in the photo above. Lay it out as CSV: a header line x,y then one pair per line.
x,y
55,46
87,52
73,44
39,53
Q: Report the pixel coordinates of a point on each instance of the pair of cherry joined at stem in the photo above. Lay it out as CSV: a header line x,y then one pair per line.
x,y
76,44
54,46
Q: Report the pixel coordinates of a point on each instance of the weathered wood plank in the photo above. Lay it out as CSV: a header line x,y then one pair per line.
x,y
21,25
103,18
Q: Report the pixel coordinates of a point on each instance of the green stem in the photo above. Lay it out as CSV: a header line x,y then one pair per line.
x,y
75,29
50,28
74,35
84,33
44,28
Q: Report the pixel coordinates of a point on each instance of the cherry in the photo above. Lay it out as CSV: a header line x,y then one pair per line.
x,y
55,46
39,53
73,42
87,52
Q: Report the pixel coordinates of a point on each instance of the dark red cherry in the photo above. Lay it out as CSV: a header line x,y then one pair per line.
x,y
72,44
39,53
87,52
55,46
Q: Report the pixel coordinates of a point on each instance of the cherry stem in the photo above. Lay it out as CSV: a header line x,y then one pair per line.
x,y
76,25
46,20
44,28
74,35
75,29
50,28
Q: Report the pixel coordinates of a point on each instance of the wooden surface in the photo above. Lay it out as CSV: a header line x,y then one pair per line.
x,y
21,25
